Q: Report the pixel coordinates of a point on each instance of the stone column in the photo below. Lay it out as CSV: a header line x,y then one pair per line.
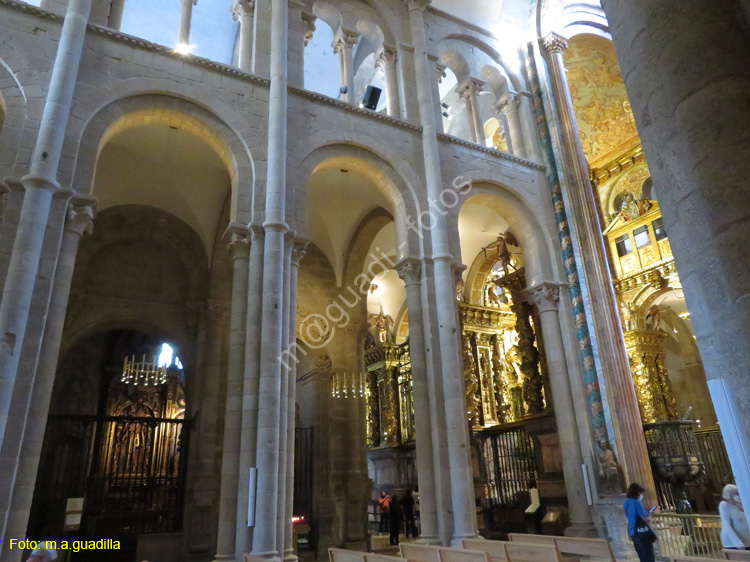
x,y
386,59
546,298
244,12
239,247
607,327
411,272
462,489
343,45
186,16
470,93
298,252
692,105
250,388
116,9
269,405
40,184
79,221
509,106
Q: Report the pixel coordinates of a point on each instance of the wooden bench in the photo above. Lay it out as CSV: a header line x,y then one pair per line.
x,y
430,553
590,549
342,555
696,559
521,552
495,549
732,554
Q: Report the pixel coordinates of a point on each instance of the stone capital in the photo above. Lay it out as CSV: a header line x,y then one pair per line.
x,y
508,102
308,26
554,43
420,5
242,8
386,56
238,245
470,87
410,270
79,218
344,40
546,296
299,251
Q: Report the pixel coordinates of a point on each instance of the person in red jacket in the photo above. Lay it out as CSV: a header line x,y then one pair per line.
x,y
385,507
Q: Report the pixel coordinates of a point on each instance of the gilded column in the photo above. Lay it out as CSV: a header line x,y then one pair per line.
x,y
597,274
239,248
462,488
344,47
40,185
386,59
546,298
655,397
79,221
244,12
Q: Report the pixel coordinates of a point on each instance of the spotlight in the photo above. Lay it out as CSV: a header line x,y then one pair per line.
x,y
445,105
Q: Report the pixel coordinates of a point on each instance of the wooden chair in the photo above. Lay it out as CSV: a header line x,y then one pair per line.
x,y
732,554
521,552
493,548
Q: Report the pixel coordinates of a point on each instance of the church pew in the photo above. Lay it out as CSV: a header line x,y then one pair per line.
x,y
494,548
696,559
522,552
430,553
732,554
590,549
419,552
342,555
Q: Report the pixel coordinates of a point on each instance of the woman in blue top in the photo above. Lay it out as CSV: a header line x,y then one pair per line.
x,y
634,509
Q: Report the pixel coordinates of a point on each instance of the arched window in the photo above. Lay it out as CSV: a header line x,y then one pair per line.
x,y
157,21
322,67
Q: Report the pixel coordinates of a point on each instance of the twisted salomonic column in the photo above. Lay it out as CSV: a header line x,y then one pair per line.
x,y
269,401
509,106
239,247
386,59
614,359
40,184
250,389
462,489
298,252
546,298
470,93
344,47
244,12
411,273
692,104
79,221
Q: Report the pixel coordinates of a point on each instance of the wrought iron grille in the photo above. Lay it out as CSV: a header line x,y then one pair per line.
x,y
717,470
509,461
130,472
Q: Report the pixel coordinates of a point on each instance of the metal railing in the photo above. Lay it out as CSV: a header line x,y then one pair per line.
x,y
688,535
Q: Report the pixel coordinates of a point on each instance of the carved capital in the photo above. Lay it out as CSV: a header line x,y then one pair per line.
x,y
546,296
239,241
470,87
308,26
508,103
386,56
420,5
441,72
554,43
410,271
344,40
79,219
299,251
242,8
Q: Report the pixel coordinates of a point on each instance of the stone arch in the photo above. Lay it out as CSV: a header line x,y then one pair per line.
x,y
571,17
525,225
242,148
360,242
394,178
477,55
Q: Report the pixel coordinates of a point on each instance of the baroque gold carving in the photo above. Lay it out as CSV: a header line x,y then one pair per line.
x,y
653,388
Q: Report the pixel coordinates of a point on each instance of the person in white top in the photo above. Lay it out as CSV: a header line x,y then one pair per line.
x,y
44,552
734,530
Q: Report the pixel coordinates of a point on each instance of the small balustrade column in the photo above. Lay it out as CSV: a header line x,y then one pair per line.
x,y
386,59
470,93
509,106
244,12
186,17
546,298
343,45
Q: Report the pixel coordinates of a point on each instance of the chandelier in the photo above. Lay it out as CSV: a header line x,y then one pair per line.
x,y
349,385
143,373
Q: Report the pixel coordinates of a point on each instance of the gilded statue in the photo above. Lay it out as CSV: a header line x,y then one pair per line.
x,y
390,410
498,378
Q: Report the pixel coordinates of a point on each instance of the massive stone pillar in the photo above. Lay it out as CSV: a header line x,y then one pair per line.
x,y
686,67
78,222
344,47
250,390
40,185
244,12
186,17
451,378
265,543
608,330
386,59
239,246
411,272
546,298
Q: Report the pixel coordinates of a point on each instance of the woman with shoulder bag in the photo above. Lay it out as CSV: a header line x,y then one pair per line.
x,y
640,532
